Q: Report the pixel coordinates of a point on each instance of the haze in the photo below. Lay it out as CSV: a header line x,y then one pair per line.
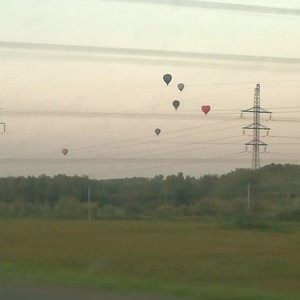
x,y
87,76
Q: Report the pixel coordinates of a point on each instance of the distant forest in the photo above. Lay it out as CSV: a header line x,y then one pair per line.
x,y
273,191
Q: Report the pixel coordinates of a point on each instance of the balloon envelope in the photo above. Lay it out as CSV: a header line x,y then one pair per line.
x,y
180,86
206,109
167,78
65,151
176,104
157,131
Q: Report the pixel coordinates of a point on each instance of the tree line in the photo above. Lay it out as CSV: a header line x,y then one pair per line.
x,y
273,190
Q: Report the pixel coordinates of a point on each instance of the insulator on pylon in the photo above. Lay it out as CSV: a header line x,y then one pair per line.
x,y
265,150
246,148
267,132
243,132
241,115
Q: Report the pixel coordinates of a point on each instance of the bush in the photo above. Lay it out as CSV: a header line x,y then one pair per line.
x,y
290,215
166,211
18,208
4,208
68,207
110,212
211,207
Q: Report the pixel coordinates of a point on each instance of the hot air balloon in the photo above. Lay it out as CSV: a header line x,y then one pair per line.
x,y
65,151
176,104
167,78
180,86
206,109
157,131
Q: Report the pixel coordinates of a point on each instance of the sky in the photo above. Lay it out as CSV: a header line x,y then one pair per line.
x,y
87,75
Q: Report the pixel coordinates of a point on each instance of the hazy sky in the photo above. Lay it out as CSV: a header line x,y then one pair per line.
x,y
87,75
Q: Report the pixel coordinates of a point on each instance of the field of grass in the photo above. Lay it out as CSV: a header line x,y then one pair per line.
x,y
187,259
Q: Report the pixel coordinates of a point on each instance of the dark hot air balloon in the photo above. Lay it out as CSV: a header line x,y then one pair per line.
x,y
206,109
180,86
65,151
176,104
167,78
157,131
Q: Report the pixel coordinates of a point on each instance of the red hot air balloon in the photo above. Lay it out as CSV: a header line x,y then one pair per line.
x,y
206,109
157,131
176,104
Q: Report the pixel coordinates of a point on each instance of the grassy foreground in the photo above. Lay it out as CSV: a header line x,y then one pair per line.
x,y
185,258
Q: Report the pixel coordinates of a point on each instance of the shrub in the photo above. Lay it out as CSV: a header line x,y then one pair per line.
x,y
110,212
18,208
68,207
166,211
211,207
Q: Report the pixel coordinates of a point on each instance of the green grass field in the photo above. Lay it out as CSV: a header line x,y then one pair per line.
x,y
184,258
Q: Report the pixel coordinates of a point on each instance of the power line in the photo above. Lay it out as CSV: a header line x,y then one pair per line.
x,y
75,85
148,52
210,160
95,114
207,144
122,145
221,6
284,137
284,120
244,82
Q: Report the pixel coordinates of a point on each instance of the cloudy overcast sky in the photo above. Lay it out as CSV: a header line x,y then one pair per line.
x,y
86,75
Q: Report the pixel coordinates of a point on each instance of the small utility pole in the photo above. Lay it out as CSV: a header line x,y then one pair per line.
x,y
89,201
248,199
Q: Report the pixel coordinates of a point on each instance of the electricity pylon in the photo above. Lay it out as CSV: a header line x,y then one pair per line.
x,y
256,127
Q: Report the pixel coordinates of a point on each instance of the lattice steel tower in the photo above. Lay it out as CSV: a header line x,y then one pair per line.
x,y
256,127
